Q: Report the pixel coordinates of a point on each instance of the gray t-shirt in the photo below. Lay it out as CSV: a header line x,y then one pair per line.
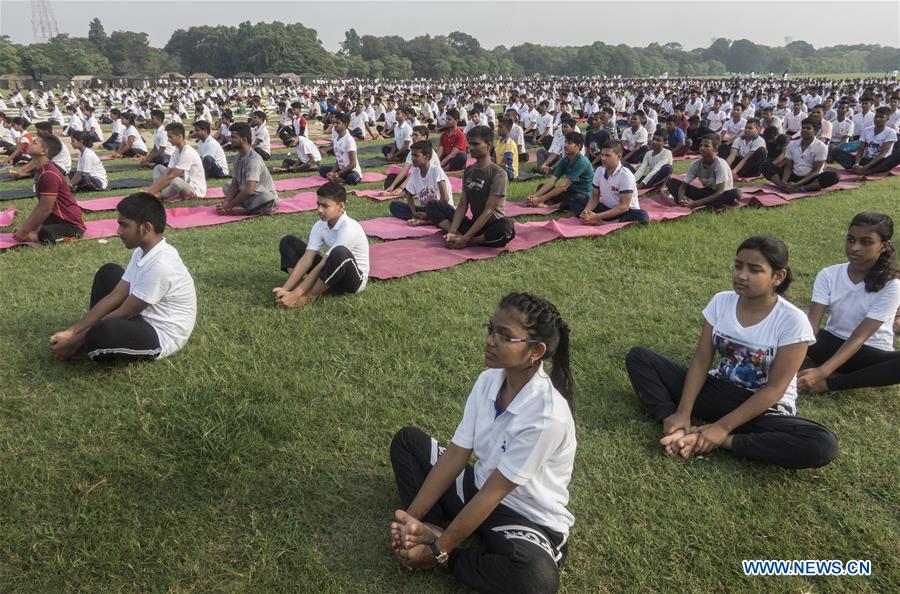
x,y
251,167
480,184
718,172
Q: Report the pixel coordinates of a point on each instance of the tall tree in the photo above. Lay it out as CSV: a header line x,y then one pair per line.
x,y
351,46
97,34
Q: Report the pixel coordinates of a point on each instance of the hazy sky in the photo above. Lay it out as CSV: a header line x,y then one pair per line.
x,y
495,22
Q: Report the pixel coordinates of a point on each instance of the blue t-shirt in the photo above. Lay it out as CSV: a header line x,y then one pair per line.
x,y
579,170
676,138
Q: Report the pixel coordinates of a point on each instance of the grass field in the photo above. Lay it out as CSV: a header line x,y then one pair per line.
x,y
255,460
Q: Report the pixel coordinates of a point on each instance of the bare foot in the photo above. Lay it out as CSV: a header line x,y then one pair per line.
x,y
670,441
819,387
413,532
686,444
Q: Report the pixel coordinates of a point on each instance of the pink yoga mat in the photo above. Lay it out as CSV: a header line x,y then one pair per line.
x,y
773,190
7,216
394,259
203,216
455,187
281,185
847,175
391,228
663,209
183,218
94,230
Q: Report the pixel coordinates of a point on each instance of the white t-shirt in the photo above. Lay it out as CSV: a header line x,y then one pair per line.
x,y
745,146
804,160
188,160
849,304
746,353
532,443
862,121
715,119
161,280
261,138
75,123
306,149
874,141
428,188
402,134
63,159
93,125
620,180
343,146
434,162
733,129
117,130
631,138
213,149
89,164
841,129
138,143
358,121
348,233
161,141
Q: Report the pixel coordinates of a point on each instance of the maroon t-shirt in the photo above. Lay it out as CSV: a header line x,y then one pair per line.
x,y
50,180
455,140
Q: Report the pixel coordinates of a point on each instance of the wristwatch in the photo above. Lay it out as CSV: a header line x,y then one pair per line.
x,y
439,555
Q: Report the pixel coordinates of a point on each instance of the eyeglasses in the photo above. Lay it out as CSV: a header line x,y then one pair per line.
x,y
497,337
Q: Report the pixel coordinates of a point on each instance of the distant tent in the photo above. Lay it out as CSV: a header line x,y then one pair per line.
x,y
244,75
268,76
173,75
201,78
15,82
289,77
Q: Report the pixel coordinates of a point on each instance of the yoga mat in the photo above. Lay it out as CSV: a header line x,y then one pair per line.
x,y
374,162
7,216
455,187
526,175
469,163
94,230
394,259
203,216
773,190
183,218
295,183
847,175
389,228
663,209
16,194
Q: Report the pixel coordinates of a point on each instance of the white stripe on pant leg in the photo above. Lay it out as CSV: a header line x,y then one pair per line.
x,y
434,451
529,534
459,486
350,259
124,351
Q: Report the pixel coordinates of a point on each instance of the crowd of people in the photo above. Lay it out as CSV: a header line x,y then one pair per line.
x,y
599,143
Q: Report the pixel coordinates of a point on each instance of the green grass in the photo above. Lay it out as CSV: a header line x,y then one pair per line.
x,y
255,460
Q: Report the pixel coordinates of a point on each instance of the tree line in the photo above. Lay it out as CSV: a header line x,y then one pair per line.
x,y
277,47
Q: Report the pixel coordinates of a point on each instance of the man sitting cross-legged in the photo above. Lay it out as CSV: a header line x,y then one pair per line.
x,y
184,177
484,190
252,190
145,311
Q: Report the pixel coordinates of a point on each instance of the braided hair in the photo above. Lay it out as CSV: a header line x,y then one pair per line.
x,y
543,322
885,268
